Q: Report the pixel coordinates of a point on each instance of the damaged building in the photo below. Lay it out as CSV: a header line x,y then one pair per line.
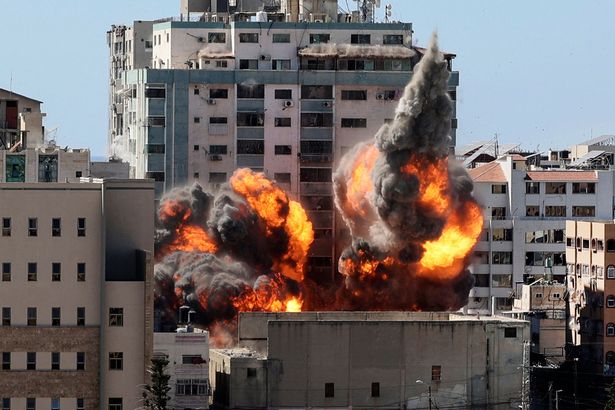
x,y
392,360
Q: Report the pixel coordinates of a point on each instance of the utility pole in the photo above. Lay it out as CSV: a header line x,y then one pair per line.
x,y
429,390
557,392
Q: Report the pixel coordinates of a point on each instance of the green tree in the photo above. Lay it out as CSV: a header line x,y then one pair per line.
x,y
155,394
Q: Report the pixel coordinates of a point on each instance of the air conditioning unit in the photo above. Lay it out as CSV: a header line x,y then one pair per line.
x,y
211,101
265,57
288,103
215,158
380,96
327,104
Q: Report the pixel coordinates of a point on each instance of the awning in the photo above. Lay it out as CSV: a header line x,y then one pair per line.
x,y
355,51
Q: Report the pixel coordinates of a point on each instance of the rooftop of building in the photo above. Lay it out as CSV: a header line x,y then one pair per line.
x,y
239,353
491,172
8,94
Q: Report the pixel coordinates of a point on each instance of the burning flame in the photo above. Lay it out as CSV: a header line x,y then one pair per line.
x,y
361,185
191,238
269,296
433,180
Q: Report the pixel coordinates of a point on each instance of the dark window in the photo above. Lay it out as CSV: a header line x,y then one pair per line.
x,y
281,38
30,403
250,119
55,401
196,91
56,227
56,271
6,271
250,147
6,360
197,120
218,120
217,177
254,91
316,92
376,389
315,175
283,150
32,226
81,316
392,39
248,37
354,95
115,403
610,301
329,390
31,316
555,188
31,361
80,226
354,122
116,360
81,272
32,271
589,211
316,119
280,64
498,188
80,360
156,121
316,147
283,94
221,93
610,245
55,316
6,403
116,316
248,64
510,332
251,372
155,148
80,404
319,38
436,373
55,360
583,188
282,122
610,329
218,149
155,93
6,316
6,226
282,177
360,39
195,147
216,37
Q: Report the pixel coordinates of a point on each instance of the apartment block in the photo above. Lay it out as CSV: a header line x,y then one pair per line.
x,y
75,293
525,210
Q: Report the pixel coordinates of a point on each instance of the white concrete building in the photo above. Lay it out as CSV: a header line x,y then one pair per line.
x,y
525,213
187,351
367,360
76,293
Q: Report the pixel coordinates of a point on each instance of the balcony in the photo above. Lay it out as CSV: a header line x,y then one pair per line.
x,y
324,133
316,158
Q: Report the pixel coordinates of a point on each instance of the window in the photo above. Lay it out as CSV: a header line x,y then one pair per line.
x,y
538,295
216,37
55,316
30,403
31,361
155,148
360,65
281,38
329,390
32,226
610,301
80,226
55,402
196,91
501,281
280,64
115,403
316,119
6,271
116,316
532,187
250,147
354,122
316,92
80,404
360,39
501,258
218,149
316,147
375,389
436,373
56,227
221,93
282,122
196,120
481,281
6,360
319,38
315,175
610,245
196,175
32,271
55,360
589,211
248,37
251,372
81,316
283,94
195,148
610,329
498,212
283,150
532,210
250,119
555,211
191,387
253,91
218,120
498,188
31,316
555,188
155,121
80,360
388,39
583,188
501,234
81,272
217,177
221,63
6,403
155,93
6,226
282,177
510,332
116,360
248,64
354,94
6,316
78,174
56,271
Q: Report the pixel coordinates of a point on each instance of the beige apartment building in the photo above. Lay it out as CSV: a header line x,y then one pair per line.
x,y
590,257
75,293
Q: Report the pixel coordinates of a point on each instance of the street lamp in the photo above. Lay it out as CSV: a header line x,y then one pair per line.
x,y
419,381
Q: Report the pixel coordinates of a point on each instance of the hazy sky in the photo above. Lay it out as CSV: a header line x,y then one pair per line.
x,y
538,73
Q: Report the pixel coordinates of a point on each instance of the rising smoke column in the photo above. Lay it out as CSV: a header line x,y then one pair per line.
x,y
410,211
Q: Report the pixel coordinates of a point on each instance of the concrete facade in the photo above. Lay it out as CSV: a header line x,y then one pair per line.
x,y
83,296
373,359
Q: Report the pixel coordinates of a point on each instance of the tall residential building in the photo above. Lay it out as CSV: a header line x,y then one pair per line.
x,y
590,255
76,293
280,92
525,220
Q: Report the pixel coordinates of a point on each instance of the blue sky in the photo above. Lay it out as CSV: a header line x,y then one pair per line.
x,y
538,73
